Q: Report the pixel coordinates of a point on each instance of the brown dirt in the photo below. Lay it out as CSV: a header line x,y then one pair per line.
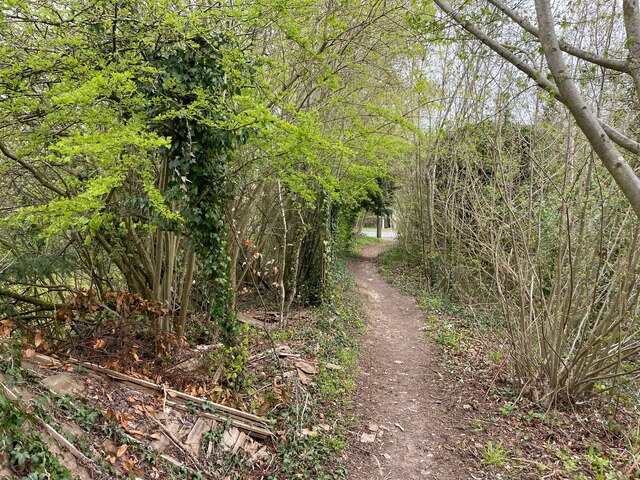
x,y
401,390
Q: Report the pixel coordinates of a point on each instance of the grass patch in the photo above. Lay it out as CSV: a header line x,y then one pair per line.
x,y
357,243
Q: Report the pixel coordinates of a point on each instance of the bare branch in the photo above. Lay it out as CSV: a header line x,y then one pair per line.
x,y
588,122
616,64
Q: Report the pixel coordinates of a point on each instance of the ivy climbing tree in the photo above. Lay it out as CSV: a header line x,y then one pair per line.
x,y
115,144
185,107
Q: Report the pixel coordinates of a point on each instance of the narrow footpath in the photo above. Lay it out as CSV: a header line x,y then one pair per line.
x,y
405,432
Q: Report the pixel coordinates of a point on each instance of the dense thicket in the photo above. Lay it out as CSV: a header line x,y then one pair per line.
x,y
172,160
507,207
162,158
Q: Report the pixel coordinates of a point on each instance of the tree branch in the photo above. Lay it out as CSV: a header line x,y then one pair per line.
x,y
537,76
616,64
27,299
34,171
631,14
588,122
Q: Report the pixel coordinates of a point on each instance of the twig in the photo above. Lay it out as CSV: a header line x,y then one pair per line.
x,y
177,443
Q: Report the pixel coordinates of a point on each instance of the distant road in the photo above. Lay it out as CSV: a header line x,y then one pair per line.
x,y
387,233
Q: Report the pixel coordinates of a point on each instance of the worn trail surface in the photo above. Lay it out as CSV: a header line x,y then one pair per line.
x,y
400,393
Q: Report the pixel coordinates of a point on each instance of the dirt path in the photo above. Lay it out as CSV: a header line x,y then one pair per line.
x,y
400,391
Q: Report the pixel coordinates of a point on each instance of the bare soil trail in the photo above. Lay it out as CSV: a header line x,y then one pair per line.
x,y
405,431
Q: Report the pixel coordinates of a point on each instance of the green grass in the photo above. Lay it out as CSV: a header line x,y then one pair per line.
x,y
494,455
330,336
358,242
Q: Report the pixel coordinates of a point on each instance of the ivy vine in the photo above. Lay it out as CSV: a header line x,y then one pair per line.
x,y
187,97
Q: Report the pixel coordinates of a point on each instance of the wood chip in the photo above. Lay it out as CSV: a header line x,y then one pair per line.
x,y
230,437
241,439
367,437
399,426
306,367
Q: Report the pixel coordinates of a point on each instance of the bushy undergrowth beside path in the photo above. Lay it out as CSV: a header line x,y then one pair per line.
x,y
508,434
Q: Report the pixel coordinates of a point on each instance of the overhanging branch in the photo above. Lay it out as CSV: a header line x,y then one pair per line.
x,y
28,299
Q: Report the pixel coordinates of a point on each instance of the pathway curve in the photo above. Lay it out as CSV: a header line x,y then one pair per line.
x,y
400,392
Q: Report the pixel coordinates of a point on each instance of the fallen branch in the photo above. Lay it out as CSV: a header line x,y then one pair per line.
x,y
44,305
253,424
50,430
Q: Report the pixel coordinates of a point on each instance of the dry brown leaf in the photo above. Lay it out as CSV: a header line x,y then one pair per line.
x,y
108,448
171,393
29,352
121,450
37,341
129,465
306,367
100,343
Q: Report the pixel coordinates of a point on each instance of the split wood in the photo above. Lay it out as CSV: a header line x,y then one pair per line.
x,y
177,443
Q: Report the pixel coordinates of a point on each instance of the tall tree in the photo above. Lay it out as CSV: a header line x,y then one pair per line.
x,y
558,82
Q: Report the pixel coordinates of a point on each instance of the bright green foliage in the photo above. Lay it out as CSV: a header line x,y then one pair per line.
x,y
330,119
118,116
76,112
186,152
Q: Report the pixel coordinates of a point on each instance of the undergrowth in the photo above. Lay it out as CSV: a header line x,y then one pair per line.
x,y
512,436
330,337
23,449
309,419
